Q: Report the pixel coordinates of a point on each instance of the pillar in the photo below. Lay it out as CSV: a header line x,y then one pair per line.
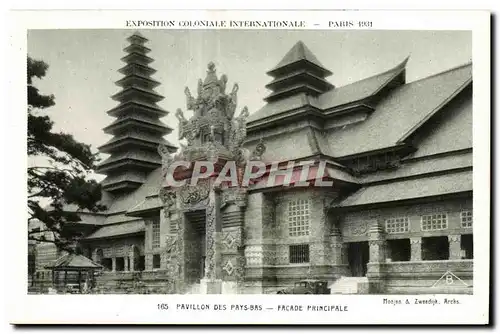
x,y
233,256
455,248
212,281
416,249
132,264
240,257
148,261
113,264
378,244
125,264
148,247
337,245
378,253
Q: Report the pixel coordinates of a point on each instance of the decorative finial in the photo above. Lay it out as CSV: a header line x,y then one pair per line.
x,y
211,76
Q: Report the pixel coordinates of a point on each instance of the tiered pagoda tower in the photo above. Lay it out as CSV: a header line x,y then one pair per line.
x,y
298,72
137,130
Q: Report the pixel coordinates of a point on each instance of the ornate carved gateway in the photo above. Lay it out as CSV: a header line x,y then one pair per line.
x,y
213,134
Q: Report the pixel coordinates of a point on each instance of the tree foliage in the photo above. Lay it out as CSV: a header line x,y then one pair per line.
x,y
62,178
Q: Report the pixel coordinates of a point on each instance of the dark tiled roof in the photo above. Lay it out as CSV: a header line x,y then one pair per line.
x,y
141,136
410,189
453,133
429,165
118,218
140,118
350,93
150,203
359,90
150,187
125,177
298,52
74,261
279,106
127,228
145,156
398,113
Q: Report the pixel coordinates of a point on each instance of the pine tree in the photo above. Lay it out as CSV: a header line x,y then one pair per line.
x,y
63,179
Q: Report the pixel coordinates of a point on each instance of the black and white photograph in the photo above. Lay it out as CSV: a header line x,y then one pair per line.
x,y
263,160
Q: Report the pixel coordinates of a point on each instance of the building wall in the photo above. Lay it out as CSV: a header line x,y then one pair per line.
x,y
119,247
415,275
268,239
128,247
259,242
355,225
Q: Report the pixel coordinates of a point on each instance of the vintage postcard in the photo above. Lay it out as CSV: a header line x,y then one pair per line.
x,y
233,167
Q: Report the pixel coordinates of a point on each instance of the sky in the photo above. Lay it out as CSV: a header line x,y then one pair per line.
x,y
83,65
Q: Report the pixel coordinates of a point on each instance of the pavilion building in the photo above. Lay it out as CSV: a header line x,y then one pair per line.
x,y
396,219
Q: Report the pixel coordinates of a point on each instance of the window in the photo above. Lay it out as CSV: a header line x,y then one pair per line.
x,y
299,254
397,225
434,222
107,263
399,249
156,234
156,261
141,265
120,264
467,246
298,218
435,248
466,218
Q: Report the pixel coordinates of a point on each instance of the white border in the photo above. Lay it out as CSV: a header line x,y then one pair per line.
x,y
143,309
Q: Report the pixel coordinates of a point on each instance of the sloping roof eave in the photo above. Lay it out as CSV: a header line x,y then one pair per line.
x,y
410,189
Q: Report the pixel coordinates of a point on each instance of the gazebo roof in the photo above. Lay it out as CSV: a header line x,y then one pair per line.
x,y
74,262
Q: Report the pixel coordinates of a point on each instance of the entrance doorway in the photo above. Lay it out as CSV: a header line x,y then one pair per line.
x,y
195,232
358,254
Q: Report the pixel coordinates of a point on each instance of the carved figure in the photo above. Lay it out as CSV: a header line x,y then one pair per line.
x,y
223,83
190,100
232,101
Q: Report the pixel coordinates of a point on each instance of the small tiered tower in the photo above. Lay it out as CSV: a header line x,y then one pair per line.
x,y
137,131
298,72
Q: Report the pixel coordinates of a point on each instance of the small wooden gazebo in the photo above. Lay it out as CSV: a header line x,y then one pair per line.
x,y
71,269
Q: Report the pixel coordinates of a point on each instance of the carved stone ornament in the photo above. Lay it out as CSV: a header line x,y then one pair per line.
x,y
229,267
210,242
415,240
213,133
168,197
359,229
258,151
232,239
213,130
234,195
193,195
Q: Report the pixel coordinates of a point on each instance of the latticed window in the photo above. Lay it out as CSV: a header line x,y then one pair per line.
x,y
466,218
298,217
397,225
299,254
173,226
118,250
434,222
156,234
